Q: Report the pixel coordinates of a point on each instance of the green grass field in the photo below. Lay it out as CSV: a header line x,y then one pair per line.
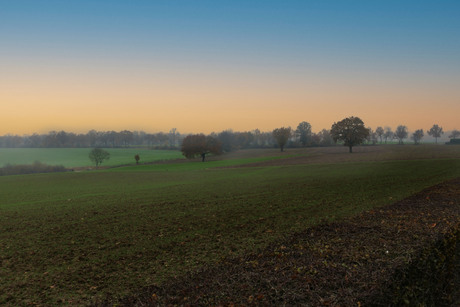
x,y
78,157
69,238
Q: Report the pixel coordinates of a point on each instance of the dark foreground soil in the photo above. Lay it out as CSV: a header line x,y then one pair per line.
x,y
364,260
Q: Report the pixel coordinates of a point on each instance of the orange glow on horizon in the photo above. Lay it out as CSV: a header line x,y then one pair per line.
x,y
41,101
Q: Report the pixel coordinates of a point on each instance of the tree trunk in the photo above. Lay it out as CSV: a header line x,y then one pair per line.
x,y
203,155
282,148
350,149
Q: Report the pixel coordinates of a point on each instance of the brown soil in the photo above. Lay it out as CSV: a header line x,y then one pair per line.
x,y
346,263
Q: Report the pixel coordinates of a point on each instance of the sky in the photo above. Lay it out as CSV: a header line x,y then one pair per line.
x,y
203,66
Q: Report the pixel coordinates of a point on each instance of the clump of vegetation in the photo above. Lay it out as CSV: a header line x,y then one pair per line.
x,y
435,132
36,167
281,136
455,134
200,145
98,155
137,158
401,133
351,131
417,136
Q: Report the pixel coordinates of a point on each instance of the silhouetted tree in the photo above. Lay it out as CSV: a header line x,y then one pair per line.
x,y
350,131
11,141
417,136
435,132
227,138
139,137
266,139
281,136
454,134
200,145
162,139
372,138
92,136
98,155
244,139
379,131
303,133
388,134
62,139
126,137
257,140
35,140
172,137
111,138
321,138
401,133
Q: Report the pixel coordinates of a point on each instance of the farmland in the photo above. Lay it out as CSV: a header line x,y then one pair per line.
x,y
78,157
74,237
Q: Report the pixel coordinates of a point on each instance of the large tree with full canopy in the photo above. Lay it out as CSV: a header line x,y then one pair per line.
x,y
200,145
351,131
281,136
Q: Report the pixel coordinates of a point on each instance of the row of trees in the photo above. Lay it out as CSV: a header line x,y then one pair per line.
x,y
106,139
350,131
401,133
300,137
111,139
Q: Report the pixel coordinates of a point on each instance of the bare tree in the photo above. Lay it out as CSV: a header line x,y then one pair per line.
x,y
303,132
172,137
98,155
435,132
401,133
388,135
417,136
372,138
379,131
325,138
454,134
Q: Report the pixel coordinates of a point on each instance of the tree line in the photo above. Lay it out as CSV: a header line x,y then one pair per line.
x,y
93,138
230,140
350,132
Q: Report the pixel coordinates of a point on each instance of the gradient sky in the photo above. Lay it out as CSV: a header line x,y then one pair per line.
x,y
203,66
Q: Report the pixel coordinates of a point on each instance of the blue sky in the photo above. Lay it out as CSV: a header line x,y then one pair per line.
x,y
342,46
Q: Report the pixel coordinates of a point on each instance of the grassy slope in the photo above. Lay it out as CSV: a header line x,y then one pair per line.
x,y
78,157
70,237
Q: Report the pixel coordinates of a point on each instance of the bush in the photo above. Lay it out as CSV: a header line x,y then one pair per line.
x,y
36,167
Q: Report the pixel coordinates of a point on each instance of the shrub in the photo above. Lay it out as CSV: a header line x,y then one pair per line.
x,y
36,167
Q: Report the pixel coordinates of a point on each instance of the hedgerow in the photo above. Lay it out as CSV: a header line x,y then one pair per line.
x,y
36,167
